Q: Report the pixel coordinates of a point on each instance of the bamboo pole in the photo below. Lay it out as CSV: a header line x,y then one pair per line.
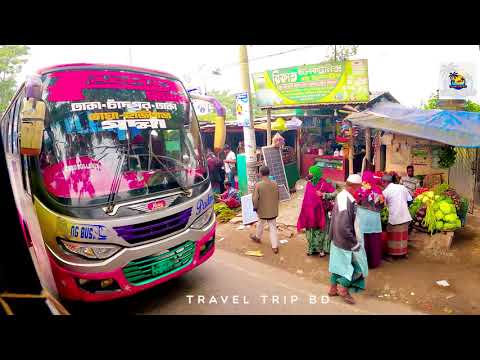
x,y
350,151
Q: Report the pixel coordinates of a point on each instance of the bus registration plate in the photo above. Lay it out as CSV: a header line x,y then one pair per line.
x,y
164,267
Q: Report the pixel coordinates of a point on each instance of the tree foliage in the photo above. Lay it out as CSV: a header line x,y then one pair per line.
x,y
464,155
341,52
227,99
12,58
433,103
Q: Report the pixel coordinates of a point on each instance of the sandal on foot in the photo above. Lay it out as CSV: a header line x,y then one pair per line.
x,y
343,292
333,291
255,238
348,299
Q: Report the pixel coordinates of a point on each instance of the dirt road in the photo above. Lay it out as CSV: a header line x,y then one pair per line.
x,y
230,284
410,282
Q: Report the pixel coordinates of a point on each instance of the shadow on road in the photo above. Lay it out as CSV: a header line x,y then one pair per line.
x,y
141,303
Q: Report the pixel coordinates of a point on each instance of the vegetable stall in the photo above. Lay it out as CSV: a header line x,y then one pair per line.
x,y
439,209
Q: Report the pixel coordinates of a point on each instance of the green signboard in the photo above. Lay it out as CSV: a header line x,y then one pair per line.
x,y
330,82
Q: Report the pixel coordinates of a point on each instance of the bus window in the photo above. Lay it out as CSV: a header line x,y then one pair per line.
x,y
9,131
25,177
3,127
150,155
15,121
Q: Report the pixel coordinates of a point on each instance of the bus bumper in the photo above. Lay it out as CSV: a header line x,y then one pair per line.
x,y
69,289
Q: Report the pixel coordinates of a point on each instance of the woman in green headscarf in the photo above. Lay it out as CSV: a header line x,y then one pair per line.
x,y
314,216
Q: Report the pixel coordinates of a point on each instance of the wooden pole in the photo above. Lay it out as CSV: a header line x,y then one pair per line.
x,y
298,150
269,127
368,144
377,156
350,152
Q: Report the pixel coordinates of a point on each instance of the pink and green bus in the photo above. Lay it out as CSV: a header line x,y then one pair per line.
x,y
109,178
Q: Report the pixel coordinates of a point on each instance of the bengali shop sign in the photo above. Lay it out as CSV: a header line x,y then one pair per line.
x,y
329,82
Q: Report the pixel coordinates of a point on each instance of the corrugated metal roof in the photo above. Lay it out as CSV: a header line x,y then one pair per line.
x,y
374,95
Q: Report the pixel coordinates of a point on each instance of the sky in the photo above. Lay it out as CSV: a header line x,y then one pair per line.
x,y
409,72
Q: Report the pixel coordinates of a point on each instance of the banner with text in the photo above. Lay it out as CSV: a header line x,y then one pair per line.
x,y
329,82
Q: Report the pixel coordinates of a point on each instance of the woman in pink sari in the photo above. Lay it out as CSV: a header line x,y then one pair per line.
x,y
314,215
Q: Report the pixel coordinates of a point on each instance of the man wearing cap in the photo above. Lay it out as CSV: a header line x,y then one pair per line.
x,y
348,260
396,198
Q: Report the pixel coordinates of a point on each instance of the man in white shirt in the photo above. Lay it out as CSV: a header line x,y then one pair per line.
x,y
230,161
397,197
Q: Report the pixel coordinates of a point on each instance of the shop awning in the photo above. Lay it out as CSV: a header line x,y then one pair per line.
x,y
457,128
293,124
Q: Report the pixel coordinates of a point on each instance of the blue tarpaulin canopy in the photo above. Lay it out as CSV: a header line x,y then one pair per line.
x,y
457,128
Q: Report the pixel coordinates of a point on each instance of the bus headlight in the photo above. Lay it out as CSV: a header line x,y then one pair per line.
x,y
203,219
90,251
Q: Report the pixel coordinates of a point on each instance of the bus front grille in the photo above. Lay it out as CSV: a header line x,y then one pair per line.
x,y
154,229
151,268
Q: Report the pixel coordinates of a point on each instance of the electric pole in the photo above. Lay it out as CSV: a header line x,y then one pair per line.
x,y
248,131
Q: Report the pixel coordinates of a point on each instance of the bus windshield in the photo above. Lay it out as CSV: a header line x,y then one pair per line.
x,y
118,132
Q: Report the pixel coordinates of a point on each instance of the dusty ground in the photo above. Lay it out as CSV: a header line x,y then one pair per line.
x,y
409,281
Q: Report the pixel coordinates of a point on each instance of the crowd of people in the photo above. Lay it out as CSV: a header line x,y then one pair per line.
x,y
344,224
222,170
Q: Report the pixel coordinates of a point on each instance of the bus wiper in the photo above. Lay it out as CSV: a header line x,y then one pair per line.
x,y
187,191
115,184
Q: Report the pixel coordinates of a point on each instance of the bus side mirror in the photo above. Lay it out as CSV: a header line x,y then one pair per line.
x,y
32,117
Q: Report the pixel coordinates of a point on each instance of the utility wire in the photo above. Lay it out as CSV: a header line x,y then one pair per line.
x,y
218,68
270,55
